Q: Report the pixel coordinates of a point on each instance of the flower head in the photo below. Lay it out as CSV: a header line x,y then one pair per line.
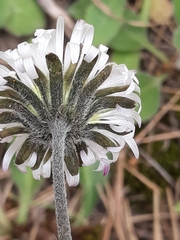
x,y
98,101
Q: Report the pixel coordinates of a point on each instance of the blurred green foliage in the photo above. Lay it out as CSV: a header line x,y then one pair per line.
x,y
27,186
150,94
176,38
21,17
177,207
89,180
176,4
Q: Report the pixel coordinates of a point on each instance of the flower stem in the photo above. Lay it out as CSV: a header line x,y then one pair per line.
x,y
59,131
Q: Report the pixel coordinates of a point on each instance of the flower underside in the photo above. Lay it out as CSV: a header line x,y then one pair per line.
x,y
96,100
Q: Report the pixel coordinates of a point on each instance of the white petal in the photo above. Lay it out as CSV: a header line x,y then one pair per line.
x,y
101,61
91,54
105,167
26,79
129,113
14,148
112,136
2,81
134,77
31,160
6,139
67,57
29,67
7,58
87,37
46,169
4,71
83,33
13,54
77,32
116,149
37,173
9,125
44,40
40,62
103,48
120,76
132,144
71,55
25,49
88,159
131,88
74,52
127,127
119,121
98,150
60,38
22,168
71,180
19,65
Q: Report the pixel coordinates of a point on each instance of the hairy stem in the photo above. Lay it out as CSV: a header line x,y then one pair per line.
x,y
59,131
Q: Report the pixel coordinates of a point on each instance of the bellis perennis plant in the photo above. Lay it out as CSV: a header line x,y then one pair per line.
x,y
63,108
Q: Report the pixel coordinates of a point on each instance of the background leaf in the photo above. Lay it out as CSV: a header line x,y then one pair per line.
x,y
176,38
145,11
150,94
89,180
176,4
132,38
177,207
78,8
5,13
131,59
27,187
21,17
96,15
129,38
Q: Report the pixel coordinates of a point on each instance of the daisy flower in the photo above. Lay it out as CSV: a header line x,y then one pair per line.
x,y
62,108
97,102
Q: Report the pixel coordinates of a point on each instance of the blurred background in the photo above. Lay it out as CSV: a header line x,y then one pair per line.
x,y
139,199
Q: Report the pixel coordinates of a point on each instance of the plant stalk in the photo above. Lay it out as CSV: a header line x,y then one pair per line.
x,y
59,131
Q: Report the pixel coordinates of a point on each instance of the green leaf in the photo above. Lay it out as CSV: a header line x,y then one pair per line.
x,y
150,94
78,8
89,181
106,27
27,187
177,207
176,4
176,38
4,13
22,17
130,59
122,41
145,11
132,38
94,15
129,38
